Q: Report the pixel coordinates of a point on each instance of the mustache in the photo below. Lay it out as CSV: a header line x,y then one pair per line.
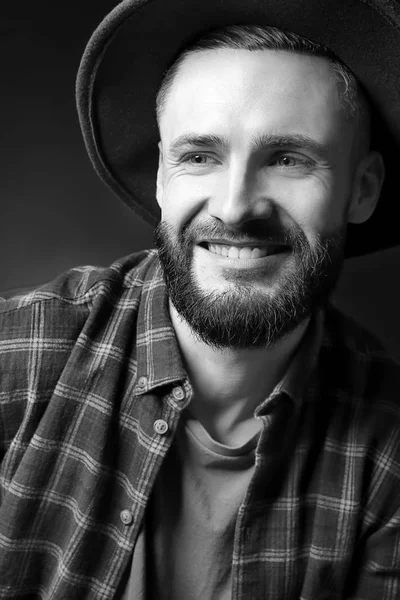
x,y
250,233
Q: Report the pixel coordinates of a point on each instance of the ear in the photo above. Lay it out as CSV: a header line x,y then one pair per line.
x,y
367,187
160,185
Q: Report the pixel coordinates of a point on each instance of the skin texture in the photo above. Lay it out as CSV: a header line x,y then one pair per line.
x,y
255,149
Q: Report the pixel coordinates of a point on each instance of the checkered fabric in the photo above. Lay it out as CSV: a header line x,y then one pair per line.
x,y
90,374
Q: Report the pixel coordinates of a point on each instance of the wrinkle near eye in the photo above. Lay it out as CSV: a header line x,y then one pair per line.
x,y
173,163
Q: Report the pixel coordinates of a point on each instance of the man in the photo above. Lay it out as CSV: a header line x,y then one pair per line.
x,y
197,421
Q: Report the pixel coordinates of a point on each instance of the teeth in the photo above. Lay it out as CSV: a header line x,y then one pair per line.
x,y
237,252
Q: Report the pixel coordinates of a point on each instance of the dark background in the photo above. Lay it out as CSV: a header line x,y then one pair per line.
x,y
55,212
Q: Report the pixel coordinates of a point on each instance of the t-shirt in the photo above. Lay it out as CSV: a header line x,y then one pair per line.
x,y
185,550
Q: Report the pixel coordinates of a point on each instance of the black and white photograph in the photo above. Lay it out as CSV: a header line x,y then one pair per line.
x,y
199,300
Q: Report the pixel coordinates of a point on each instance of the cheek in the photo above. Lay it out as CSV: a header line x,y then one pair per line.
x,y
316,208
322,219
332,213
184,195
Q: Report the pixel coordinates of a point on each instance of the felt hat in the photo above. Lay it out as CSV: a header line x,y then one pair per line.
x,y
126,57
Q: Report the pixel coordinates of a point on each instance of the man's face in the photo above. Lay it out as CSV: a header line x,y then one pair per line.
x,y
255,162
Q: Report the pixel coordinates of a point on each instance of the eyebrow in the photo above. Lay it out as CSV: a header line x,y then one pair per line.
x,y
293,140
200,141
261,142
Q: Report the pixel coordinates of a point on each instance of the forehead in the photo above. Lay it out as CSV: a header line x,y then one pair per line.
x,y
288,88
269,62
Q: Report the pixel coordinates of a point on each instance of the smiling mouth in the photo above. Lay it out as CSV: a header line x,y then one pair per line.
x,y
243,252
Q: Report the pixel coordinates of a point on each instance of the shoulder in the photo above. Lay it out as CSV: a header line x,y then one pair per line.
x,y
60,329
360,383
48,320
355,353
363,381
78,286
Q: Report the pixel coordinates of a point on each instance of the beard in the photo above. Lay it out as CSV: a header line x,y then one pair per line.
x,y
244,316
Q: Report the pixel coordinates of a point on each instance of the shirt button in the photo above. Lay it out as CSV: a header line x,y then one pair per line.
x,y
160,426
142,382
126,517
178,393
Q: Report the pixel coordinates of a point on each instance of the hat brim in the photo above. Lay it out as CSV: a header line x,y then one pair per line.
x,y
127,55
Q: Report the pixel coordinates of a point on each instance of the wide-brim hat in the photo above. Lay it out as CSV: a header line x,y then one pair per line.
x,y
127,55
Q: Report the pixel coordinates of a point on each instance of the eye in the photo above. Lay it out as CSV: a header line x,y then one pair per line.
x,y
290,161
198,159
287,161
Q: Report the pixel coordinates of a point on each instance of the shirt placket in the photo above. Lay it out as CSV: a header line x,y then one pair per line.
x,y
158,419
258,565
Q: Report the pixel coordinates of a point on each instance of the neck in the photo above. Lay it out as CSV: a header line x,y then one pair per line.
x,y
229,384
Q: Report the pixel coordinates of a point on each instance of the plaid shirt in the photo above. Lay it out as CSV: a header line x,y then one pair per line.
x,y
92,387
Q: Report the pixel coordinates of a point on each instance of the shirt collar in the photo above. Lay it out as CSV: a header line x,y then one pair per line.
x,y
300,367
158,357
304,359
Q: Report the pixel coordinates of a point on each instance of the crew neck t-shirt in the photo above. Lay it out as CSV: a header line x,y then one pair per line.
x,y
184,551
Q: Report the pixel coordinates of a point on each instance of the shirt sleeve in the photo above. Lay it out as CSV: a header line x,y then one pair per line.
x,y
37,334
379,573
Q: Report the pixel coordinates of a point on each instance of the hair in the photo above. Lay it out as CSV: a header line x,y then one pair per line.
x,y
257,37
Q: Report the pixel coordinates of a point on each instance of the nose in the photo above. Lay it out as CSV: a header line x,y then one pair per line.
x,y
242,195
